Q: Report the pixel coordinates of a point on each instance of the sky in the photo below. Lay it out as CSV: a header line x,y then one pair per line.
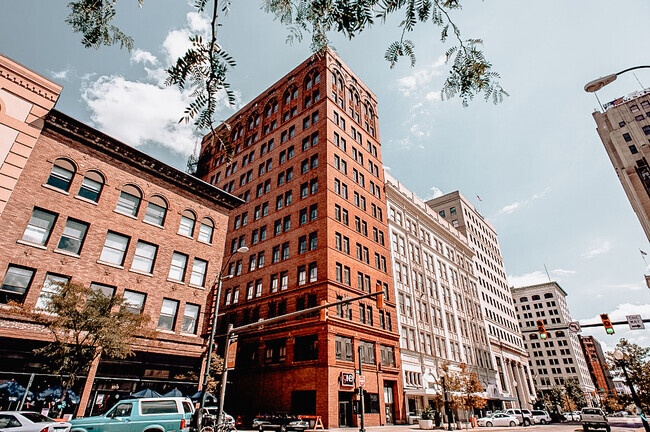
x,y
536,161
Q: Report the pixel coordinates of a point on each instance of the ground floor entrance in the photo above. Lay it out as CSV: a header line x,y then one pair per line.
x,y
345,409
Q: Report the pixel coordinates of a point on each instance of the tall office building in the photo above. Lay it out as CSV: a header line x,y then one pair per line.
x,y
597,365
308,164
560,356
438,307
508,352
624,129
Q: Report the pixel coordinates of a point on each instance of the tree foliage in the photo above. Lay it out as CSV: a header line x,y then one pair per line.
x,y
574,392
216,369
204,67
637,364
83,324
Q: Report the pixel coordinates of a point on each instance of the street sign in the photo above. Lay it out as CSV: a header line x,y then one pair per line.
x,y
347,379
362,381
635,322
231,359
574,326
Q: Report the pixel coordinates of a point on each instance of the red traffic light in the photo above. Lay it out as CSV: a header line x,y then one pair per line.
x,y
607,323
542,329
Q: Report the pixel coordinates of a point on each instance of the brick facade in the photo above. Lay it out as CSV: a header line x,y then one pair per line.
x,y
336,199
69,143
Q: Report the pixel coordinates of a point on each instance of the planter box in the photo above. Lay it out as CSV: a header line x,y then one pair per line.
x,y
425,424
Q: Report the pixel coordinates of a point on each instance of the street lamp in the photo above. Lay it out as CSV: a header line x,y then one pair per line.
x,y
620,356
601,82
217,300
443,376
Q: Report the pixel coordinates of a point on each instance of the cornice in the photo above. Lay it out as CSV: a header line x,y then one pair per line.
x,y
60,123
24,77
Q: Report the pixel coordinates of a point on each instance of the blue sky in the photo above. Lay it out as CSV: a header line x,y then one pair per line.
x,y
535,160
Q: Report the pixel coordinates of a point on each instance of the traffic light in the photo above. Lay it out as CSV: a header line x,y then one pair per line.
x,y
541,329
380,296
607,323
323,312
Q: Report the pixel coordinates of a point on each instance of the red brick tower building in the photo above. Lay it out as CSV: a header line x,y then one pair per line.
x,y
308,164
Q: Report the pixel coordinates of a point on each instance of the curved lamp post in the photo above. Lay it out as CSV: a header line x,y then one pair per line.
x,y
621,357
601,82
208,357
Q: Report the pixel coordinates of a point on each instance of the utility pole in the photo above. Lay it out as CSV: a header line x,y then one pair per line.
x,y
635,397
362,404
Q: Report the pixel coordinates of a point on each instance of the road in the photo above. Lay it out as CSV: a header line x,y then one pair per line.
x,y
617,426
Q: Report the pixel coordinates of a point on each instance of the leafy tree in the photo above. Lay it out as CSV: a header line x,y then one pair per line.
x,y
216,368
470,387
637,363
83,324
574,392
204,67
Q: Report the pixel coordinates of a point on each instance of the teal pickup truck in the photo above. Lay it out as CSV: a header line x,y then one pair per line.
x,y
172,414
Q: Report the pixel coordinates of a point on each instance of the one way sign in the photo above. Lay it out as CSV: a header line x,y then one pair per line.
x,y
635,322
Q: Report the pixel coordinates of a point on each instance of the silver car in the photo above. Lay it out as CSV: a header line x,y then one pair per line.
x,y
29,421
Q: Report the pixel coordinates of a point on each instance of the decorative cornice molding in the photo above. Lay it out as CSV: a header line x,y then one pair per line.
x,y
60,123
28,79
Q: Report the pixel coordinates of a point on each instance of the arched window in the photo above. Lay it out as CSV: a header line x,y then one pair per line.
x,y
188,219
559,334
62,173
535,297
91,186
205,230
271,107
337,80
290,94
129,200
156,211
311,80
523,299
533,336
548,295
237,132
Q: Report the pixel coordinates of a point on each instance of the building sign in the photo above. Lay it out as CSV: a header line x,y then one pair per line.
x,y
347,379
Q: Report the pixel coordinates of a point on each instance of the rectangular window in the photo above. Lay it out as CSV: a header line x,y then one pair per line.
x,y
284,280
178,266
134,301
302,275
199,269
115,248
168,314
313,272
40,227
305,348
190,318
344,349
274,283
15,284
313,241
367,352
51,285
145,256
73,236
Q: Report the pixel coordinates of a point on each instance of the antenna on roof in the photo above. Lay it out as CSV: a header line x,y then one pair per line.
x,y
547,275
637,80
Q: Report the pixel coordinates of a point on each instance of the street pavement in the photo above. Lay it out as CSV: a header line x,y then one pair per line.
x,y
556,427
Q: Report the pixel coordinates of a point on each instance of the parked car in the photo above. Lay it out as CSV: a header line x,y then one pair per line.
x,y
260,420
141,415
213,411
525,417
498,419
541,417
572,416
283,423
594,418
29,421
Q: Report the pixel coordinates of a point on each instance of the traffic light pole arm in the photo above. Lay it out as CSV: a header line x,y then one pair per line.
x,y
262,323
600,324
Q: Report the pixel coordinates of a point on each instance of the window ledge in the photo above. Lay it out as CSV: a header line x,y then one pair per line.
x,y
175,281
125,214
204,242
106,263
165,331
188,334
55,189
89,201
185,235
65,252
140,272
26,243
153,224
196,286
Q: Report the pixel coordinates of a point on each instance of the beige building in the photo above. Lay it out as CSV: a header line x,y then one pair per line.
x,y
560,356
25,99
439,311
624,128
509,355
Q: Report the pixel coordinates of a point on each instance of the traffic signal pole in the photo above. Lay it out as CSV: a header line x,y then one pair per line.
x,y
362,404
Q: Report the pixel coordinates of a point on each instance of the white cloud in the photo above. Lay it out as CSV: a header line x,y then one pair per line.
x,y
62,74
511,208
420,78
436,192
433,96
387,168
603,246
640,337
405,143
144,57
538,277
147,111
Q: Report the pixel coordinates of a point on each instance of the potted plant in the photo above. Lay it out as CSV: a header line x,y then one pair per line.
x,y
426,419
